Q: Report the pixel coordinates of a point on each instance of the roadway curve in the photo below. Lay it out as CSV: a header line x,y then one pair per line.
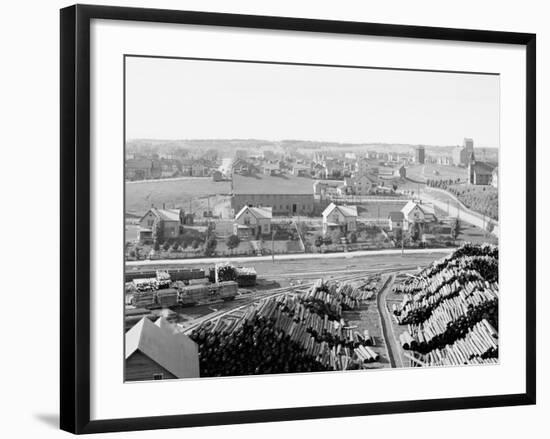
x,y
455,209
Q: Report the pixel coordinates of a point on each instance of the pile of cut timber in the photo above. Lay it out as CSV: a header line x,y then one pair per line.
x,y
246,276
290,333
478,346
167,297
451,308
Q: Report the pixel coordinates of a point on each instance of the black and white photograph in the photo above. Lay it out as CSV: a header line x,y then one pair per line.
x,y
275,219
285,218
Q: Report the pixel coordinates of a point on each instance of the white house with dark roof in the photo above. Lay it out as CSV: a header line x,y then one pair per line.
x,y
157,351
271,168
253,221
360,184
342,217
417,212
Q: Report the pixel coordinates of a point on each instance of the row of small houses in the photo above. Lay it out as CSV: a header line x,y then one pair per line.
x,y
147,169
344,218
359,184
244,167
327,168
251,222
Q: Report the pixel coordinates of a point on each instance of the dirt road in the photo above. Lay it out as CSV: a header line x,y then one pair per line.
x,y
392,344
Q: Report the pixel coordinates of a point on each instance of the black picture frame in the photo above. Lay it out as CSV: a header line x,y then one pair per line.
x,y
75,217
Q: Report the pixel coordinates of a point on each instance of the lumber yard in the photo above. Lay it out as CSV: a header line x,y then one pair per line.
x,y
294,332
445,314
450,309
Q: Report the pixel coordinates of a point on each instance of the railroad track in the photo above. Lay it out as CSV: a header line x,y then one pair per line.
x,y
262,296
257,297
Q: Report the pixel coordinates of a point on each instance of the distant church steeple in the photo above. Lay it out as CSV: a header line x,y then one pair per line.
x,y
471,167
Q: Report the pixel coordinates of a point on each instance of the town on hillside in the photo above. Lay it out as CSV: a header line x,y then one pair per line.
x,y
196,202
253,257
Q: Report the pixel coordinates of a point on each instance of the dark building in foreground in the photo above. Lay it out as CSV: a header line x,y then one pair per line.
x,y
285,194
155,351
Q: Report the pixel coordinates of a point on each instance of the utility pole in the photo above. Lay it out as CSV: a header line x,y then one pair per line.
x,y
402,241
273,246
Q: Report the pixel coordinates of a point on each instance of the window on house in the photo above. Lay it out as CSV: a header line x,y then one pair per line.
x,y
158,376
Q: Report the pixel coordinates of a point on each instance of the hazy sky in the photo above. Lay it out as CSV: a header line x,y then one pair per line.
x,y
190,99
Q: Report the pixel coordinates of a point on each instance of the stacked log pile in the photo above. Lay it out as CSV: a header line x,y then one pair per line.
x,y
478,346
225,272
454,317
429,288
451,308
246,276
290,333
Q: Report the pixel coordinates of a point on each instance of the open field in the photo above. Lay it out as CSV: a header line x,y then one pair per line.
x,y
140,196
436,172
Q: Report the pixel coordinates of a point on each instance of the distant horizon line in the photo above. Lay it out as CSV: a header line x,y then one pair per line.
x,y
299,140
